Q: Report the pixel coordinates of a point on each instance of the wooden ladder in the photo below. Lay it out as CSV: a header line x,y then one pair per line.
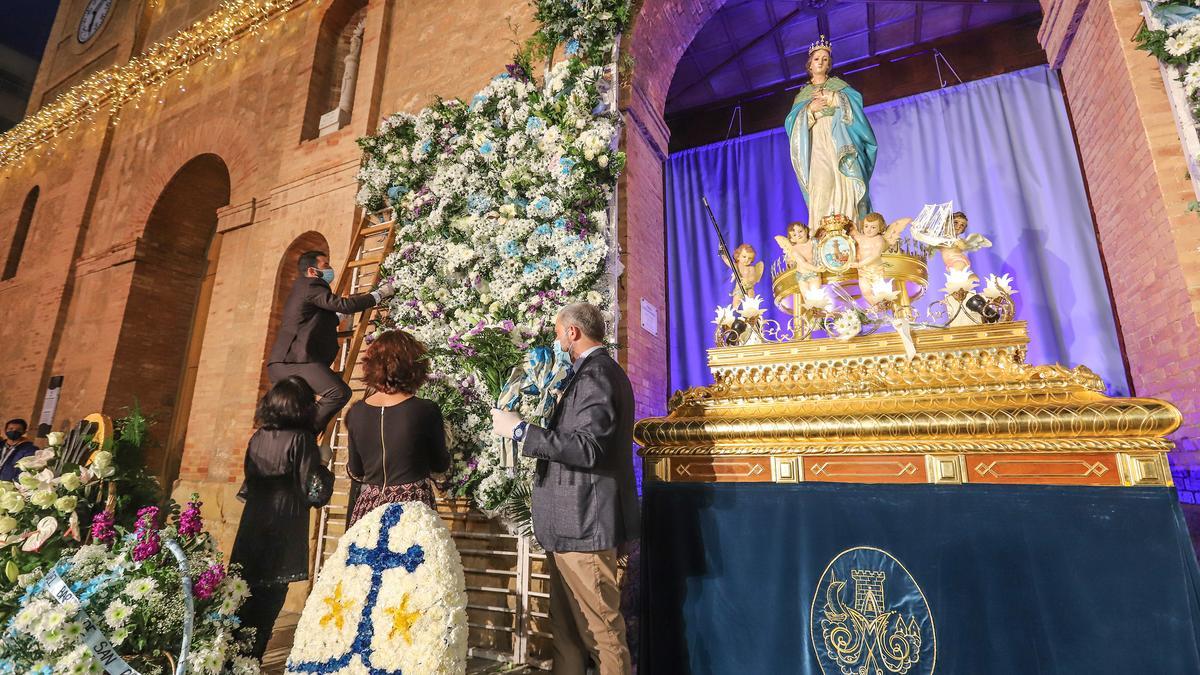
x,y
372,241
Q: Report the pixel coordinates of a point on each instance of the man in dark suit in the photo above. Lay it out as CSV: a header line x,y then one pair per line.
x,y
307,343
584,496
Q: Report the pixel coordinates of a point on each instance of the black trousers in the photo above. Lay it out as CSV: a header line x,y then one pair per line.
x,y
334,392
260,612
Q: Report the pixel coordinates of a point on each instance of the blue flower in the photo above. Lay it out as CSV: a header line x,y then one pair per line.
x,y
486,148
572,46
478,203
560,223
426,146
395,192
534,123
543,229
565,273
565,164
529,269
540,205
512,249
501,76
552,263
477,100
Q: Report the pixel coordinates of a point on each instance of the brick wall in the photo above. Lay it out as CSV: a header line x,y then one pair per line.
x,y
661,32
1138,183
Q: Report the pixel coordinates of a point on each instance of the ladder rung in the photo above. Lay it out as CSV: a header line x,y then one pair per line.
x,y
375,229
363,262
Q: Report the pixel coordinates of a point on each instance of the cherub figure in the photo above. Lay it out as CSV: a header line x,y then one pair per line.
x,y
751,272
798,250
873,238
955,255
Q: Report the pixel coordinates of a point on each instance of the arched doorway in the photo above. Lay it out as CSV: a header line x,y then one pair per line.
x,y
162,332
285,276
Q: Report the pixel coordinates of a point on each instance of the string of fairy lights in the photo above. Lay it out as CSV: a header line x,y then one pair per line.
x,y
104,93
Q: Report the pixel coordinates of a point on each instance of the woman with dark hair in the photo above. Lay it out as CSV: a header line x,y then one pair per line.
x,y
284,478
395,438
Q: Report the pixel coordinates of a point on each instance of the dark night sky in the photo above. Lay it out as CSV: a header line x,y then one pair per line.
x,y
26,25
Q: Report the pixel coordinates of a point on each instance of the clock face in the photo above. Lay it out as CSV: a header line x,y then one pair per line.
x,y
93,18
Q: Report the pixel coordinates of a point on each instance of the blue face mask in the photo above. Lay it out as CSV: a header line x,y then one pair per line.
x,y
327,275
561,356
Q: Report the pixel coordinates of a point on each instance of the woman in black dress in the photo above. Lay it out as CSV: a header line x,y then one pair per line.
x,y
284,478
395,438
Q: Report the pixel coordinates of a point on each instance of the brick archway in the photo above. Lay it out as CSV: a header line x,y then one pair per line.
x,y
162,329
661,33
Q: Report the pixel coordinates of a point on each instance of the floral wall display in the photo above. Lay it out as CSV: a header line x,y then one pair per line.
x,y
391,599
503,210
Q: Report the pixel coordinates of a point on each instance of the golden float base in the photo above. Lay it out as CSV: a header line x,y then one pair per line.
x,y
966,409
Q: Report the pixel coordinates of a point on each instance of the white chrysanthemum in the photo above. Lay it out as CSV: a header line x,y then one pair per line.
x,y
847,325
141,587
419,618
117,614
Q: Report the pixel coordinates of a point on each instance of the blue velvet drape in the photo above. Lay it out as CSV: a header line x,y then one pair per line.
x,y
1001,148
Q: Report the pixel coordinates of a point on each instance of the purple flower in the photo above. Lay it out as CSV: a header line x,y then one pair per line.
x,y
208,581
102,528
507,326
190,523
516,72
146,532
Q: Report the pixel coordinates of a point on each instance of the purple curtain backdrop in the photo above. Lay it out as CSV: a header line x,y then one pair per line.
x,y
1000,148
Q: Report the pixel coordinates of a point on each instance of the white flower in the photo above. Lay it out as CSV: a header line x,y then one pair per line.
x,y
817,298
998,286
12,502
140,588
55,439
959,280
725,317
751,307
119,635
7,524
66,504
70,481
42,498
884,290
847,325
117,614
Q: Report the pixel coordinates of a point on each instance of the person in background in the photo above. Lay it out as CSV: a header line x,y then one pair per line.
x,y
16,448
584,496
395,438
284,479
307,343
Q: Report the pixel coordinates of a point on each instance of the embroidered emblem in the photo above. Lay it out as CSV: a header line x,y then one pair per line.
x,y
886,629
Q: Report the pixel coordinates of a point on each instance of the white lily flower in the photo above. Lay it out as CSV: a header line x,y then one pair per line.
x,y
725,317
998,286
884,290
817,298
751,307
960,280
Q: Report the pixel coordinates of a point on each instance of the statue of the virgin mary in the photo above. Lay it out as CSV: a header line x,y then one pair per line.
x,y
832,144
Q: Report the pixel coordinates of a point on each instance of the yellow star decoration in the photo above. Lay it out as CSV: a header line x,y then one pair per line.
x,y
337,608
402,620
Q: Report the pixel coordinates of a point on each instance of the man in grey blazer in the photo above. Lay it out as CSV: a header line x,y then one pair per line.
x,y
584,496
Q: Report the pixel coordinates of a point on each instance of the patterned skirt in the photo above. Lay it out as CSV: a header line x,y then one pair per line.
x,y
372,496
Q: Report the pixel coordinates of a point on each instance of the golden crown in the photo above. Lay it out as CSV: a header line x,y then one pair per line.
x,y
821,43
